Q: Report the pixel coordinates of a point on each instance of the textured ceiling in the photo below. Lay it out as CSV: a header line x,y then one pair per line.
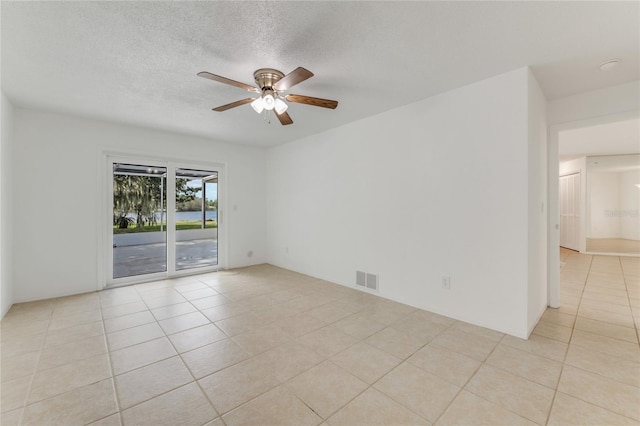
x,y
136,62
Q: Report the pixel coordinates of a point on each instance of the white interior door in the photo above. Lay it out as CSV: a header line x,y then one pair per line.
x,y
570,211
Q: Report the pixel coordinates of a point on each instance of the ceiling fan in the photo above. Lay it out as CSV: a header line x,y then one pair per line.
x,y
271,87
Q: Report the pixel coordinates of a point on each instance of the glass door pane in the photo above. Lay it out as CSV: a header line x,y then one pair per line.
x,y
196,218
139,220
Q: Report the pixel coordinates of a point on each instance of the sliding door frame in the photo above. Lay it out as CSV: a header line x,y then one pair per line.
x,y
105,251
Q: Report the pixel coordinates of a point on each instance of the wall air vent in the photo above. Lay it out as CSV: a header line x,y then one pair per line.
x,y
372,282
367,280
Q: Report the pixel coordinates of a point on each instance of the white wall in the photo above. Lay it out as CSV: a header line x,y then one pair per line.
x,y
613,204
600,103
57,175
6,211
603,199
537,191
436,187
630,205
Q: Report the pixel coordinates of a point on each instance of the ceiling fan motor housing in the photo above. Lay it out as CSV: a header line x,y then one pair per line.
x,y
266,78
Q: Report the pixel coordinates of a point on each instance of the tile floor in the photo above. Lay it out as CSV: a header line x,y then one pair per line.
x,y
266,346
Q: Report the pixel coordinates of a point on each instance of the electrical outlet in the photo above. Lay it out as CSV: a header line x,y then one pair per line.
x,y
446,282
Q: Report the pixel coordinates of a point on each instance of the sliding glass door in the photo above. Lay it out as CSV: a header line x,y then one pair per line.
x,y
196,218
163,222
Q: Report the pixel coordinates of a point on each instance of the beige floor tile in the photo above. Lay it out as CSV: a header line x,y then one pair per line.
x,y
495,336
524,397
72,352
11,418
166,300
227,310
471,345
262,339
553,331
299,324
210,302
424,329
418,390
72,334
446,364
607,329
150,381
373,408
539,345
216,422
326,388
387,313
240,324
171,311
17,345
601,391
557,317
327,341
366,362
200,293
74,319
526,365
196,337
13,393
287,361
191,286
274,313
396,343
567,410
183,322
331,312
621,298
606,345
606,307
79,406
615,368
625,320
276,407
142,354
57,380
359,326
126,295
233,386
18,327
153,293
112,325
213,357
133,336
186,405
18,366
112,420
120,310
469,409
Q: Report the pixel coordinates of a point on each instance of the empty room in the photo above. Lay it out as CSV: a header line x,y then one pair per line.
x,y
320,213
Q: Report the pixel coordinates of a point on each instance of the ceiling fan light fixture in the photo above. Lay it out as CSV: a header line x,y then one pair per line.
x,y
280,106
258,105
268,101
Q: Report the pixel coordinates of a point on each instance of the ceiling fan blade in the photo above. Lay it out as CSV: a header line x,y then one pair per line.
x,y
233,104
225,80
309,100
284,118
294,77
